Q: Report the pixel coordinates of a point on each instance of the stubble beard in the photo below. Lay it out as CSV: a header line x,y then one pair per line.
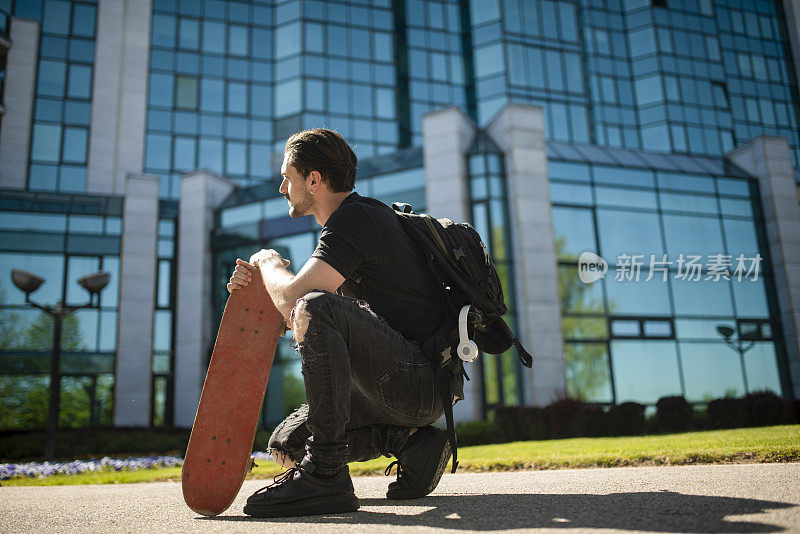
x,y
300,206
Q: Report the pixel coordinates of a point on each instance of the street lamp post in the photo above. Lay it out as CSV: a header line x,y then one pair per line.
x,y
727,333
28,283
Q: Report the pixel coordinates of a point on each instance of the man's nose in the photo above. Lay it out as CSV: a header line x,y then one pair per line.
x,y
283,189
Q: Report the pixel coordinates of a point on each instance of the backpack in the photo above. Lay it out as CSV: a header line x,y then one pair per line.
x,y
473,292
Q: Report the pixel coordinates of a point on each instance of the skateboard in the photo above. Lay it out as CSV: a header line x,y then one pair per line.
x,y
218,455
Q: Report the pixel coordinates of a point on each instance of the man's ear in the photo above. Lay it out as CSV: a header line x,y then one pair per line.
x,y
315,181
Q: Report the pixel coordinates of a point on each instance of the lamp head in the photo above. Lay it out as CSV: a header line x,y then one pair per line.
x,y
95,282
25,281
725,331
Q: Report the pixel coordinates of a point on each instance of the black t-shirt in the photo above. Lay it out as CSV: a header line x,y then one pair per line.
x,y
364,241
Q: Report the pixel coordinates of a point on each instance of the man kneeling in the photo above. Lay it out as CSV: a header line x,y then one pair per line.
x,y
360,309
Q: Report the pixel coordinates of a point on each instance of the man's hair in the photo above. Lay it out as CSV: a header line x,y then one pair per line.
x,y
324,151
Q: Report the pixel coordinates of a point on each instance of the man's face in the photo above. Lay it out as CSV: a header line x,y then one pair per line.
x,y
294,188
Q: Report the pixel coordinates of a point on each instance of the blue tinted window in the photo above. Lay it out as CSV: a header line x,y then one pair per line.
x,y
185,123
648,90
489,60
211,155
574,72
184,154
259,160
77,112
711,370
384,99
48,110
315,99
567,18
382,46
159,120
337,97
56,17
483,11
189,36
83,20
75,140
260,100
360,44
702,297
555,76
236,127
573,229
186,92
163,30
212,96
159,151
656,138
287,98
213,37
46,142
239,12
237,98
629,233
261,44
287,40
692,235
73,179
43,178
160,89
80,81
236,158
52,77
81,50
238,40
645,371
761,367
53,47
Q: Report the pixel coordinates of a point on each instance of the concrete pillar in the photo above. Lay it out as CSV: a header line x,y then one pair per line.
x,y
769,159
20,88
519,131
791,8
119,95
201,192
447,136
136,301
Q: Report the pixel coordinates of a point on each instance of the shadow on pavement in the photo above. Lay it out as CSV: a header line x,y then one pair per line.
x,y
664,511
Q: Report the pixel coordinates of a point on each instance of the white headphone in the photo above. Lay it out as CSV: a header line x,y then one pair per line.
x,y
467,349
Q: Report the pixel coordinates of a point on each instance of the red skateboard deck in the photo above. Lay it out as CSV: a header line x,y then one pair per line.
x,y
218,455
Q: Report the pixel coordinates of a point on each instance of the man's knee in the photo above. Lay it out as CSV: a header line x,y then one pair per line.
x,y
306,309
289,437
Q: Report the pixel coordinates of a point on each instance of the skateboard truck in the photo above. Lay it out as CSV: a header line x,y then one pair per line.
x,y
467,349
251,463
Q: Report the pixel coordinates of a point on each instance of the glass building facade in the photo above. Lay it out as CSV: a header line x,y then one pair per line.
x,y
639,339
642,102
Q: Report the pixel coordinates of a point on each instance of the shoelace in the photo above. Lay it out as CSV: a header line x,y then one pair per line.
x,y
280,478
388,470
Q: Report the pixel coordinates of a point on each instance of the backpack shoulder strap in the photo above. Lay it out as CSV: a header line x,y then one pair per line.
x,y
447,402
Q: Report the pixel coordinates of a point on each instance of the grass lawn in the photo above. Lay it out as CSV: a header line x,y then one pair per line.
x,y
765,444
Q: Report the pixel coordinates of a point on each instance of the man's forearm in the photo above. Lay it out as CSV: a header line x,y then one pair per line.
x,y
278,282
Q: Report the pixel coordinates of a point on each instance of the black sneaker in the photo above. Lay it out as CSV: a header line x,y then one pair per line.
x,y
297,491
420,464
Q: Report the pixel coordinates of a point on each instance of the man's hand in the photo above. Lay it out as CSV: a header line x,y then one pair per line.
x,y
269,257
241,277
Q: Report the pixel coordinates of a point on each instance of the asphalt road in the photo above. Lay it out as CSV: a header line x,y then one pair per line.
x,y
723,498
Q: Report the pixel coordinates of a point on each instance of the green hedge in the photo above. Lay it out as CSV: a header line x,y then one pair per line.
x,y
566,418
561,419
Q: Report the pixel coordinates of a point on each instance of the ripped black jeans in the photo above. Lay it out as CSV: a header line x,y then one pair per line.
x,y
366,386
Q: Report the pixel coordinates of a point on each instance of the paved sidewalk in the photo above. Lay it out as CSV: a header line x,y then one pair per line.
x,y
721,498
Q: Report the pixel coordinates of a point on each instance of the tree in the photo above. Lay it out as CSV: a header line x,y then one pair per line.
x,y
586,364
